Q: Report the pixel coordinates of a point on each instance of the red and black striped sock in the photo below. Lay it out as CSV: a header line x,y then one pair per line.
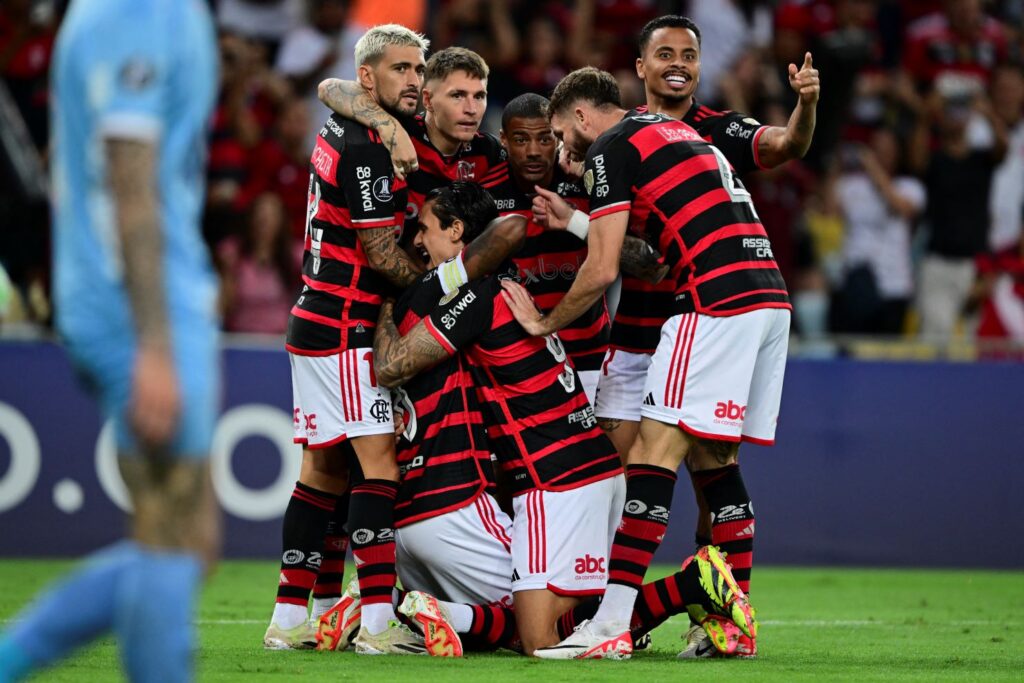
x,y
332,569
493,626
305,520
644,520
371,522
732,518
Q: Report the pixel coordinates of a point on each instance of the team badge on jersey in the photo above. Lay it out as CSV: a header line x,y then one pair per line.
x,y
382,189
466,170
588,180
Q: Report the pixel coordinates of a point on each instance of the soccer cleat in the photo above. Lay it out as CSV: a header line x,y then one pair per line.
x,y
338,626
301,637
587,642
698,644
432,618
396,639
642,643
725,613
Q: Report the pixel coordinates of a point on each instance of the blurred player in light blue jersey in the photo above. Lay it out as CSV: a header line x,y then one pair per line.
x,y
134,82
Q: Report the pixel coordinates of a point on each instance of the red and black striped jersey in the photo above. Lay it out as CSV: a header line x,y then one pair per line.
x,y
443,456
548,263
480,159
644,307
684,198
539,422
351,187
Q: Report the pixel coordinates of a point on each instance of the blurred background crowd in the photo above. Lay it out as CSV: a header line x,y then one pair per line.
x,y
904,219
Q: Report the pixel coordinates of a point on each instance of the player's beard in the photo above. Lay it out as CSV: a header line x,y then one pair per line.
x,y
394,107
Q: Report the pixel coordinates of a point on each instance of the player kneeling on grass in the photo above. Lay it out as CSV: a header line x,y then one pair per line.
x,y
565,477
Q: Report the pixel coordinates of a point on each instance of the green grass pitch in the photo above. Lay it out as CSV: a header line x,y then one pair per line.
x,y
816,624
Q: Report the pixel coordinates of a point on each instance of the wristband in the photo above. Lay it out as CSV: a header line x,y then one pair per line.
x,y
579,224
452,274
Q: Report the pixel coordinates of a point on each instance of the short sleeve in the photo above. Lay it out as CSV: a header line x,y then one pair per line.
x,y
611,167
127,79
366,176
462,316
737,135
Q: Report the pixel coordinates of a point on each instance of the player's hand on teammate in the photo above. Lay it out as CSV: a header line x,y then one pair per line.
x,y
155,402
804,81
551,211
403,154
523,308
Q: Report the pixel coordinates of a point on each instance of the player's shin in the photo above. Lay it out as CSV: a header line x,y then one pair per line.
x,y
371,520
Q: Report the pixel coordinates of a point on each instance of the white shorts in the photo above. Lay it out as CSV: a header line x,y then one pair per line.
x,y
460,556
337,397
620,387
588,380
720,377
561,540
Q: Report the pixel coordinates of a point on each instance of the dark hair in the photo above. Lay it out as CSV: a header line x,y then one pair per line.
x,y
666,21
589,84
465,201
527,106
444,63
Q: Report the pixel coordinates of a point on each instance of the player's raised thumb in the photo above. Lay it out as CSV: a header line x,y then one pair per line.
x,y
546,194
807,61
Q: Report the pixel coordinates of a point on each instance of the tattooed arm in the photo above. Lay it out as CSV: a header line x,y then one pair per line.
x,y
397,359
154,396
639,259
349,99
387,258
502,238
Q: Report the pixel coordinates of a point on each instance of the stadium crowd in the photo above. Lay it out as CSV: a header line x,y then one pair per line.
x,y
903,218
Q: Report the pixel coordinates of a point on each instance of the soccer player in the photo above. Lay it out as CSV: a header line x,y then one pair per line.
x,y
450,217
134,295
446,135
351,261
563,471
669,66
549,260
716,376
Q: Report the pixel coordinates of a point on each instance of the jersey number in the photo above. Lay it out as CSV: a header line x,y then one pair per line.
x,y
732,184
315,235
404,403
567,378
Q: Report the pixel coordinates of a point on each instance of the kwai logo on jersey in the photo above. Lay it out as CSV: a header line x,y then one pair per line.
x,y
449,318
600,179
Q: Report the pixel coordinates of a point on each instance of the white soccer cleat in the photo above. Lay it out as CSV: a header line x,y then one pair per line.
x,y
432,618
590,642
698,644
301,637
338,626
396,639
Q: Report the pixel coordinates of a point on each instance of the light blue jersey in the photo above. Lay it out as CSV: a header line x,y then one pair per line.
x,y
140,70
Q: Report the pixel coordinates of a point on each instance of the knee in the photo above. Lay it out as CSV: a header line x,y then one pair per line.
x,y
709,454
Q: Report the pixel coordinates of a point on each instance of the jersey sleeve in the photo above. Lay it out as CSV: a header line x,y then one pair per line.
x,y
366,176
610,169
737,136
462,316
128,77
